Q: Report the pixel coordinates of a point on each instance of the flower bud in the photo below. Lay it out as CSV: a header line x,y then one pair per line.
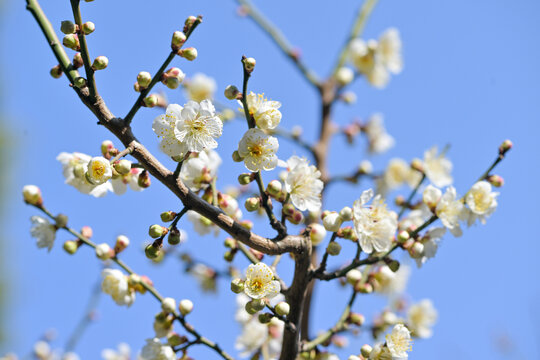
x,y
61,220
252,203
174,339
189,22
106,146
32,195
144,79
77,60
178,39
249,64
104,251
167,216
56,72
365,350
123,166
353,276
155,231
231,92
418,165
144,179
332,221
68,27
86,232
344,76
403,236
71,246
393,265
495,180
254,306
122,242
282,308
505,146
151,100
288,209
274,188
168,305
317,233
265,318
237,286
88,27
185,306
229,255
236,157
348,97
416,250
333,248
244,179
230,243
100,63
189,53
152,252
357,319
346,214
173,77
175,237
79,82
296,218
365,167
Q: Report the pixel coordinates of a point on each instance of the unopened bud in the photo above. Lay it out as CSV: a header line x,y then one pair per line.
x,y
344,76
32,195
175,339
317,233
247,224
68,27
353,276
175,237
249,64
230,243
231,92
144,179
244,179
274,188
88,27
346,214
417,165
403,236
100,63
155,231
178,39
77,60
151,251
173,77
252,203
167,216
61,220
236,157
365,350
168,305
288,209
296,218
283,308
79,82
71,246
332,221
348,97
123,166
265,318
237,286
393,265
333,248
505,146
254,306
364,288
189,22
417,250
495,180
185,307
56,72
365,167
189,53
357,319
104,251
144,79
229,255
106,146
87,232
122,242
151,101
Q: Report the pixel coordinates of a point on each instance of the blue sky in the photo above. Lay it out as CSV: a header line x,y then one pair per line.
x,y
470,80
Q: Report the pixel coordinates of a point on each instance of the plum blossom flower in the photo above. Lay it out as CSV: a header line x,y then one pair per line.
x,y
392,283
200,87
437,168
258,150
74,168
389,50
374,225
378,139
155,350
399,341
451,210
481,201
165,126
201,224
115,283
198,171
99,170
265,112
43,231
421,317
260,282
198,125
120,183
303,184
431,241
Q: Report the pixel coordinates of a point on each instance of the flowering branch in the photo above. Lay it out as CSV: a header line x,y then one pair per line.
x,y
85,54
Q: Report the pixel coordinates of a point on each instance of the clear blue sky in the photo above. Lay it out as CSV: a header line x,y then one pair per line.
x,y
471,80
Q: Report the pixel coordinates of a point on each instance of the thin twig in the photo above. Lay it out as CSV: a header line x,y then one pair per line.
x,y
85,54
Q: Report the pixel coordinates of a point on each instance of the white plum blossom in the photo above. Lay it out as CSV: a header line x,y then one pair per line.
x,y
374,225
200,87
201,224
229,205
399,342
115,283
392,283
253,336
265,112
481,201
260,282
165,128
431,241
258,150
43,231
451,210
155,350
198,170
123,353
99,170
389,50
74,168
398,172
378,139
431,196
421,317
380,352
198,125
303,184
120,183
437,168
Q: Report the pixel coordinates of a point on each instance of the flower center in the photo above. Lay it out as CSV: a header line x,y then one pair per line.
x,y
256,285
255,150
98,169
401,344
